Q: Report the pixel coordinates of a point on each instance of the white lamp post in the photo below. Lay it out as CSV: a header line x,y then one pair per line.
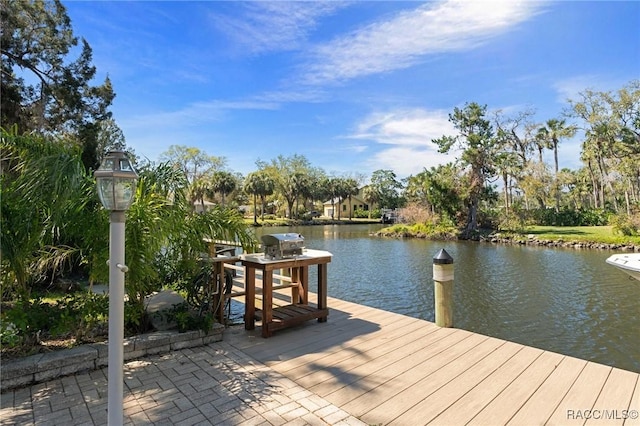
x,y
116,180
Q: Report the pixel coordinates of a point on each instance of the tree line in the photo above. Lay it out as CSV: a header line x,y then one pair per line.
x,y
500,179
506,151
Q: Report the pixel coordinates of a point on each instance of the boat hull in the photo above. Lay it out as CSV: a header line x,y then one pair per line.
x,y
628,263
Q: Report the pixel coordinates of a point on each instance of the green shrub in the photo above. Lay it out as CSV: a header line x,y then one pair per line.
x,y
627,225
187,319
566,217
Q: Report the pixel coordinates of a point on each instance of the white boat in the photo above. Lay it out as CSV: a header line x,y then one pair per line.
x,y
629,263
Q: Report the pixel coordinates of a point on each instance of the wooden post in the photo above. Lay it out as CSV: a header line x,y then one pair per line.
x,y
443,288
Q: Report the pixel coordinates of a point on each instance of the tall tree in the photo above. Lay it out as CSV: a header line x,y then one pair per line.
x,y
514,134
43,88
351,186
436,188
550,134
372,196
478,145
387,185
192,161
288,174
224,183
258,184
611,149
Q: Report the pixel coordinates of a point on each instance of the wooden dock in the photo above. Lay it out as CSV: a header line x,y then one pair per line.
x,y
390,369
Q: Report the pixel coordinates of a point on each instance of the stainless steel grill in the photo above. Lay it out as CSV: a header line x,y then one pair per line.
x,y
282,246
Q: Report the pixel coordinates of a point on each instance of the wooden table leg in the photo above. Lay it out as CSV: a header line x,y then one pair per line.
x,y
295,290
304,281
267,302
322,289
220,299
250,299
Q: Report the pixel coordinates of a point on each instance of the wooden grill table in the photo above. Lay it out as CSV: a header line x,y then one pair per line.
x,y
299,310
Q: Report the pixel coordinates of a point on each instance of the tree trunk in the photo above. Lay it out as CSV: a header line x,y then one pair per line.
x,y
255,208
505,179
555,184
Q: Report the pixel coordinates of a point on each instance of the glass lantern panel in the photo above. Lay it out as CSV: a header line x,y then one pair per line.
x,y
107,164
105,192
124,191
125,165
116,193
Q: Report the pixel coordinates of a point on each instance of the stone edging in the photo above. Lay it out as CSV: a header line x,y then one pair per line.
x,y
42,367
535,241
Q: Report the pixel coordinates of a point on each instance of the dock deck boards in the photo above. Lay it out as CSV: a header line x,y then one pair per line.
x,y
390,369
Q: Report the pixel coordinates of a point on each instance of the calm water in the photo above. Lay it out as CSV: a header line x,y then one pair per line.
x,y
564,300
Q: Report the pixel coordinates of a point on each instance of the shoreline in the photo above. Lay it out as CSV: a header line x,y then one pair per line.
x,y
491,237
530,240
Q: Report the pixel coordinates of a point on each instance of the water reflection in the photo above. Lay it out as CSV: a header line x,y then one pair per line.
x,y
564,300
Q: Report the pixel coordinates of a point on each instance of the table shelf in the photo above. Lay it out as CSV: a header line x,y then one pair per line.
x,y
291,315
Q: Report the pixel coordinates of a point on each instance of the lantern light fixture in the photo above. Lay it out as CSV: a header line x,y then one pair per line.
x,y
116,180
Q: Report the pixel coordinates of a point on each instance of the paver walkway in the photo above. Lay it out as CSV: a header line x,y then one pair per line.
x,y
208,385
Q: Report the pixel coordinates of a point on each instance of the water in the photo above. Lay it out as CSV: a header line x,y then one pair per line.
x,y
563,300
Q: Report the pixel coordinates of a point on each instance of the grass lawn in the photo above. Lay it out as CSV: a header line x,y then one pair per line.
x,y
597,234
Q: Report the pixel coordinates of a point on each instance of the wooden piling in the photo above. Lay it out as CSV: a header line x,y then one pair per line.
x,y
443,288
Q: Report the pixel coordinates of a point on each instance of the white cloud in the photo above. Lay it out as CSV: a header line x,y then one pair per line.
x,y
406,161
194,114
404,40
410,133
274,26
415,127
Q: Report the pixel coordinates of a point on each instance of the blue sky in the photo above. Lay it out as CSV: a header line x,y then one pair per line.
x,y
353,86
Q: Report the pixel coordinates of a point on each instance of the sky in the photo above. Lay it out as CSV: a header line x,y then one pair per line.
x,y
354,86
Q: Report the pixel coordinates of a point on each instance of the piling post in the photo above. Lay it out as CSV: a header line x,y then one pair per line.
x,y
443,288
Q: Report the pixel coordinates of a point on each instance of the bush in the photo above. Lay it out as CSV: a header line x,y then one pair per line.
x,y
627,225
511,222
415,213
567,217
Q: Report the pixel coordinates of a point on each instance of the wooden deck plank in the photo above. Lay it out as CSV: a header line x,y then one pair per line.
x,y
376,388
342,324
308,363
414,391
509,401
352,369
384,341
465,408
581,396
614,399
634,407
547,397
291,345
371,378
436,403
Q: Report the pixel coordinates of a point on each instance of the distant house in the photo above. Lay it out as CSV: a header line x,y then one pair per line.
x,y
208,205
357,203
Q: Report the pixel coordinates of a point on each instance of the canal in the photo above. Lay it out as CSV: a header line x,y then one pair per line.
x,y
563,300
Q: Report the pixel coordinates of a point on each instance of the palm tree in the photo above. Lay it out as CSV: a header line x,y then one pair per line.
x,y
351,189
259,184
550,134
48,206
371,196
198,190
223,183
